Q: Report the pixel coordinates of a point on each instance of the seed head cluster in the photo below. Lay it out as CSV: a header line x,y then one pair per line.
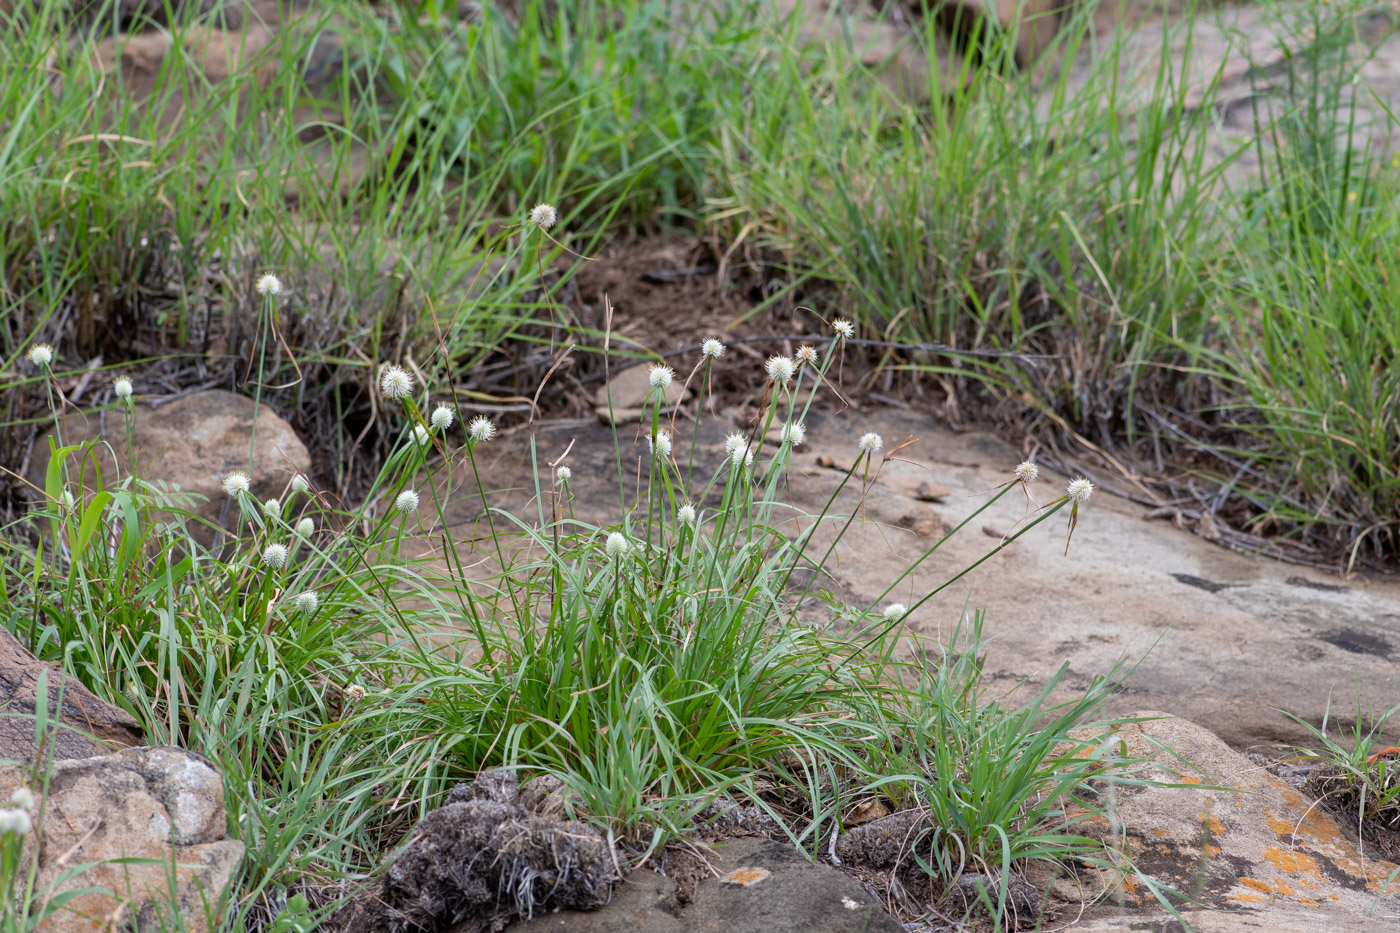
x,y
662,445
660,376
616,546
274,555
122,388
844,328
712,348
41,355
563,475
407,501
269,285
442,417
395,383
481,429
807,356
544,216
1027,472
871,443
780,369
686,514
794,434
236,483
1080,489
307,602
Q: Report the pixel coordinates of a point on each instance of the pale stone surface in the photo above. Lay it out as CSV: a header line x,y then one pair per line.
x,y
163,804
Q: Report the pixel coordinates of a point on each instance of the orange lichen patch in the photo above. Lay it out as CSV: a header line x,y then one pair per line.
x,y
1216,827
1307,902
1278,825
1292,862
1248,899
746,876
1213,851
1160,832
1257,885
1375,885
1190,779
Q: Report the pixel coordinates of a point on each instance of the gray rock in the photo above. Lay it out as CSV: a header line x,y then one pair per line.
x,y
628,390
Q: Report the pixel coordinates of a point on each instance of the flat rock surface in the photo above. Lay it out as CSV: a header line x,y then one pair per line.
x,y
1224,639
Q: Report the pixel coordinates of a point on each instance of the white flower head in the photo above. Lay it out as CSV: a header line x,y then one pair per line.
x,y
66,500
895,611
544,216
1026,472
442,417
616,546
41,355
807,355
23,798
274,555
794,434
870,442
660,376
269,284
712,348
563,475
686,514
300,484
122,388
407,501
306,528
395,383
481,429
844,328
734,441
420,434
662,446
236,483
15,823
354,694
1080,489
272,508
742,456
306,602
780,369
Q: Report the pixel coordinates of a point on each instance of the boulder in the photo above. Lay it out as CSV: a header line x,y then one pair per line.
x,y
1230,837
86,726
165,805
191,443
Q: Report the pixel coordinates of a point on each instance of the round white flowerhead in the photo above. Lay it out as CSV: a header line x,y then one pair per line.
x,y
734,441
742,455
66,500
1026,472
395,383
844,328
122,388
300,484
272,508
354,694
660,376
807,356
269,284
442,417
563,475
15,823
871,442
686,514
306,527
481,429
794,434
274,555
236,483
307,602
712,348
23,798
616,546
420,434
780,369
662,446
1080,489
895,611
407,501
544,216
41,355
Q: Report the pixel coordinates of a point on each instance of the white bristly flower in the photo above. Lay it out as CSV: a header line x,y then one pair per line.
x,y
807,355
563,475
67,501
272,508
742,455
236,483
1027,472
15,823
686,514
420,434
662,446
300,484
780,369
122,388
1080,489
306,528
395,383
544,216
274,555
481,429
712,348
41,355
844,328
354,694
794,434
269,284
616,546
307,602
871,442
23,798
407,501
895,611
660,376
442,417
734,441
